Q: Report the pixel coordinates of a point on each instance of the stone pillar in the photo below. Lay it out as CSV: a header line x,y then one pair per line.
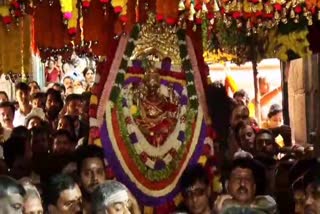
x,y
304,100
297,101
312,72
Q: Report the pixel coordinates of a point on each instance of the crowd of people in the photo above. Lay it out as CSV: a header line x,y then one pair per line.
x,y
48,166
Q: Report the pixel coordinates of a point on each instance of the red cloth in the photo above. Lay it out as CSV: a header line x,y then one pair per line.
x,y
53,76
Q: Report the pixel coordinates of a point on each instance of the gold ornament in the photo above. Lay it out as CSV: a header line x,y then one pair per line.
x,y
292,14
239,23
276,15
248,25
192,11
157,40
268,9
181,5
284,12
285,20
204,8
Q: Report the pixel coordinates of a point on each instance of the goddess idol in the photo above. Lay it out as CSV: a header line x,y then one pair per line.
x,y
153,123
158,114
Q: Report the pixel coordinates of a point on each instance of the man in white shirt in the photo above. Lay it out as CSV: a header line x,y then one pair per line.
x,y
23,98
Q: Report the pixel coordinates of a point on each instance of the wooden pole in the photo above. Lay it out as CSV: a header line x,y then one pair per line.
x,y
256,92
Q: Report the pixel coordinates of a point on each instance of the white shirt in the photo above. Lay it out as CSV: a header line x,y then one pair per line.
x,y
19,118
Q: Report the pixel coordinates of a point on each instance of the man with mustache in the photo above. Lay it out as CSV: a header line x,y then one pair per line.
x,y
244,182
6,115
68,84
91,171
241,184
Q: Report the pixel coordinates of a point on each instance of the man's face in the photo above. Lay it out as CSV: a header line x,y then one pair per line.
x,y
22,97
34,88
12,204
74,107
312,203
265,144
197,198
52,107
69,202
247,137
241,185
32,206
239,114
92,173
68,84
118,208
62,145
51,102
6,117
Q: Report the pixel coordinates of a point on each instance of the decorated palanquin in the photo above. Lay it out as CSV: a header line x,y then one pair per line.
x,y
151,114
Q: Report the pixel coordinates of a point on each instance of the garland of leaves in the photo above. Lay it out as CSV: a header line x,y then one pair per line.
x,y
287,41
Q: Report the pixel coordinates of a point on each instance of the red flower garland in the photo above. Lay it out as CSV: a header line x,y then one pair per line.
x,y
7,20
85,4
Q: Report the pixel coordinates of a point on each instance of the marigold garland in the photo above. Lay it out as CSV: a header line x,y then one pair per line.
x,y
5,14
73,22
66,8
85,3
120,6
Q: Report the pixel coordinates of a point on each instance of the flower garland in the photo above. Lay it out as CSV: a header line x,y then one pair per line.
x,y
217,56
140,151
120,6
73,22
66,9
5,14
288,46
12,12
124,64
85,4
255,15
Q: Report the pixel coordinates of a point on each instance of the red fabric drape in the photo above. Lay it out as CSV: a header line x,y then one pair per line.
x,y
99,27
49,30
143,13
